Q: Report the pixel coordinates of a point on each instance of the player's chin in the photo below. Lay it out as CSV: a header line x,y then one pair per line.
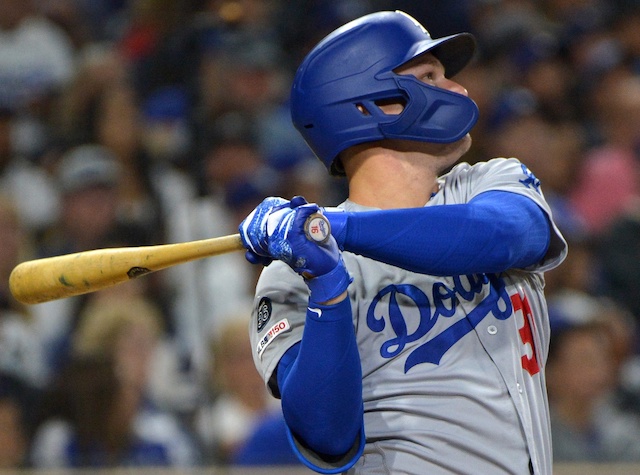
x,y
450,153
455,149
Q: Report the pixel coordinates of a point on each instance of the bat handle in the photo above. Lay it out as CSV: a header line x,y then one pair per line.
x,y
317,228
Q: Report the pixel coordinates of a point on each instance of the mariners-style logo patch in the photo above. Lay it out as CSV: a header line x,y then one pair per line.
x,y
264,312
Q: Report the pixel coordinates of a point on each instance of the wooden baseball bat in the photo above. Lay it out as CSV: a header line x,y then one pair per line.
x,y
51,278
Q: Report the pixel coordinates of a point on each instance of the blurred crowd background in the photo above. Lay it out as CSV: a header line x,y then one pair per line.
x,y
134,122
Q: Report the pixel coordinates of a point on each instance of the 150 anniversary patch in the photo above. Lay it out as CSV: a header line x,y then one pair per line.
x,y
277,329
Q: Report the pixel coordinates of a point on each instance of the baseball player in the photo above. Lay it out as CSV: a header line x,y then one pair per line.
x,y
411,336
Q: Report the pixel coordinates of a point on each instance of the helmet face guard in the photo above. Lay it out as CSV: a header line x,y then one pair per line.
x,y
338,87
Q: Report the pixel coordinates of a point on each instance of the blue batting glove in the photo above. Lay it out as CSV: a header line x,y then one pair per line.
x,y
257,259
254,229
321,265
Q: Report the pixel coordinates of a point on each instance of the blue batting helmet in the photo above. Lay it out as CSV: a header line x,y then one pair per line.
x,y
340,82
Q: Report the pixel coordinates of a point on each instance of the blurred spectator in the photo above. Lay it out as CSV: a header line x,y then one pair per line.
x,y
579,274
101,107
231,24
119,129
233,161
21,352
625,31
99,67
248,77
37,60
239,398
544,70
167,139
100,415
14,432
619,255
87,177
87,21
155,43
309,178
36,56
582,376
172,384
304,23
31,186
166,133
16,247
609,180
502,27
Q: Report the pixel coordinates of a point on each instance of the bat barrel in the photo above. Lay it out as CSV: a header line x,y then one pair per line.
x,y
51,278
57,277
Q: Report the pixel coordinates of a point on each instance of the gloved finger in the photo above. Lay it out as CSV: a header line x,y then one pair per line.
x,y
304,211
276,219
288,242
297,201
257,259
244,231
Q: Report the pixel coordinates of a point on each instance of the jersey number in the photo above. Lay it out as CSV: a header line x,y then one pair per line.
x,y
529,363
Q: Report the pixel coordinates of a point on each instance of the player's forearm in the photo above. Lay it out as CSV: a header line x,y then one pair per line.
x,y
495,232
321,388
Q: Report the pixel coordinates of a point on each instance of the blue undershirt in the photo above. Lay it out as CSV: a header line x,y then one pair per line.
x,y
495,231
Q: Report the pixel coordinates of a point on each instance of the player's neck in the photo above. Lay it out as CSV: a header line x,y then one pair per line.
x,y
388,181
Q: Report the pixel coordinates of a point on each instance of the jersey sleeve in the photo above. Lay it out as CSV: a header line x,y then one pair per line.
x,y
465,182
278,316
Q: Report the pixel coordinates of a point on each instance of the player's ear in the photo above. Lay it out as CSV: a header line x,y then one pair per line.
x,y
337,168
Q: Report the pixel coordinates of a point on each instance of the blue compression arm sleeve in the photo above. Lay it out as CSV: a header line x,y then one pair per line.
x,y
495,231
320,382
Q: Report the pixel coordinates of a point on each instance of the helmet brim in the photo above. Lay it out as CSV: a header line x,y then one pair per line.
x,y
454,51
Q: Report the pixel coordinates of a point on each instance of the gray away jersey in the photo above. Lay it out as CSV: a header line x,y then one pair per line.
x,y
453,367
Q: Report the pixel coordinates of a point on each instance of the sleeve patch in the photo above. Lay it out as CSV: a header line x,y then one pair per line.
x,y
278,328
264,313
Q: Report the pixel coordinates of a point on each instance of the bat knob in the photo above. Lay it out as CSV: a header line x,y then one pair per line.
x,y
317,228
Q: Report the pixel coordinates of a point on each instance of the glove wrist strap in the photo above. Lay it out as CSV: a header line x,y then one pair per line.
x,y
330,285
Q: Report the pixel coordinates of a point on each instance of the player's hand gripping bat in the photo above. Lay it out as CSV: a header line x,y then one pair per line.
x,y
57,277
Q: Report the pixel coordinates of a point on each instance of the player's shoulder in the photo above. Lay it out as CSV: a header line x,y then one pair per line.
x,y
493,164
465,181
494,171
